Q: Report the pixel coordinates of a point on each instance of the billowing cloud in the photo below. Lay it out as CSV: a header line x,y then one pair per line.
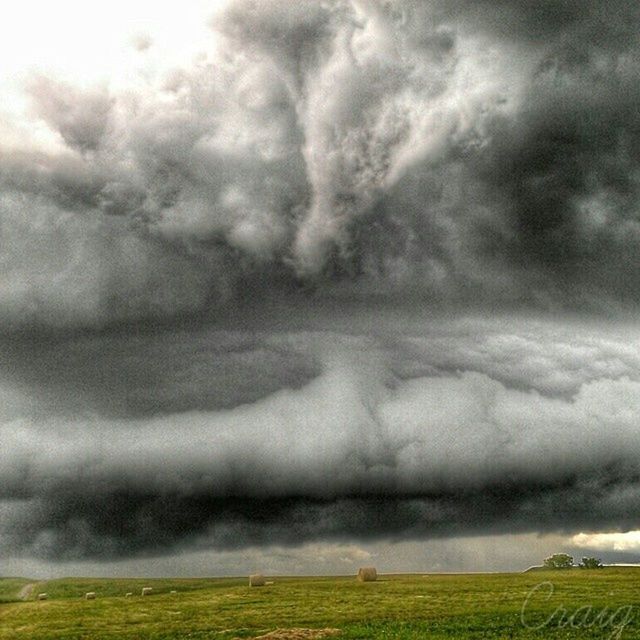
x,y
249,299
356,451
453,151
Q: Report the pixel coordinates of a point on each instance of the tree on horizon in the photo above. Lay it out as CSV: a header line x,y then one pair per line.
x,y
559,561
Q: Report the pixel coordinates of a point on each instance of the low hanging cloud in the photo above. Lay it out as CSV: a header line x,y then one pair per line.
x,y
358,451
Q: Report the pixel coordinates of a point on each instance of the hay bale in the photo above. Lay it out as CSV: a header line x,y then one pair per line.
x,y
256,580
90,595
43,596
128,594
146,591
367,574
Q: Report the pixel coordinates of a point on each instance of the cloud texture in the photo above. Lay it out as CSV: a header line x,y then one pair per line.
x,y
401,436
458,151
215,280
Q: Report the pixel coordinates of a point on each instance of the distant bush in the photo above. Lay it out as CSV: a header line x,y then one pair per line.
x,y
591,563
559,561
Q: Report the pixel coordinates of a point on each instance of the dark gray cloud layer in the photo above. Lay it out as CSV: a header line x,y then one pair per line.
x,y
465,427
455,151
106,527
219,252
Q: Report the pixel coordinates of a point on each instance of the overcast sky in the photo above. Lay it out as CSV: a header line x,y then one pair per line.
x,y
297,286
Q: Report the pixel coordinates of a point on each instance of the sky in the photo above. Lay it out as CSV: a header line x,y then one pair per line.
x,y
296,287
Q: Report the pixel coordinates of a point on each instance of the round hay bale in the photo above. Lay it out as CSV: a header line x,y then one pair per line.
x,y
256,580
43,596
367,574
90,595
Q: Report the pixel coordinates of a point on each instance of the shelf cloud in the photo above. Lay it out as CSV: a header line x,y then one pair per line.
x,y
366,447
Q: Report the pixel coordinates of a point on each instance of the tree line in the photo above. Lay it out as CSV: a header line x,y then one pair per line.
x,y
565,561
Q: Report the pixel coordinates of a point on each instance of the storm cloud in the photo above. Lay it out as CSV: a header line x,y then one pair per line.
x,y
391,436
458,151
361,270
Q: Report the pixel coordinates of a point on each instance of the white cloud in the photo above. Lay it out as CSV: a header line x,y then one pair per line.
x,y
90,42
627,541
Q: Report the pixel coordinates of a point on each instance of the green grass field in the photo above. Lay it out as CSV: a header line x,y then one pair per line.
x,y
603,603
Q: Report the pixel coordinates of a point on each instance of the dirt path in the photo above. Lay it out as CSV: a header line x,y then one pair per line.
x,y
26,591
298,634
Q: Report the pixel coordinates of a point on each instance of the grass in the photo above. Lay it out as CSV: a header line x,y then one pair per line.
x,y
482,606
10,588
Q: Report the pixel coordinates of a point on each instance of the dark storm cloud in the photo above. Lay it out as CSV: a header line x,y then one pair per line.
x,y
543,22
328,161
120,375
565,167
458,151
92,525
358,452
